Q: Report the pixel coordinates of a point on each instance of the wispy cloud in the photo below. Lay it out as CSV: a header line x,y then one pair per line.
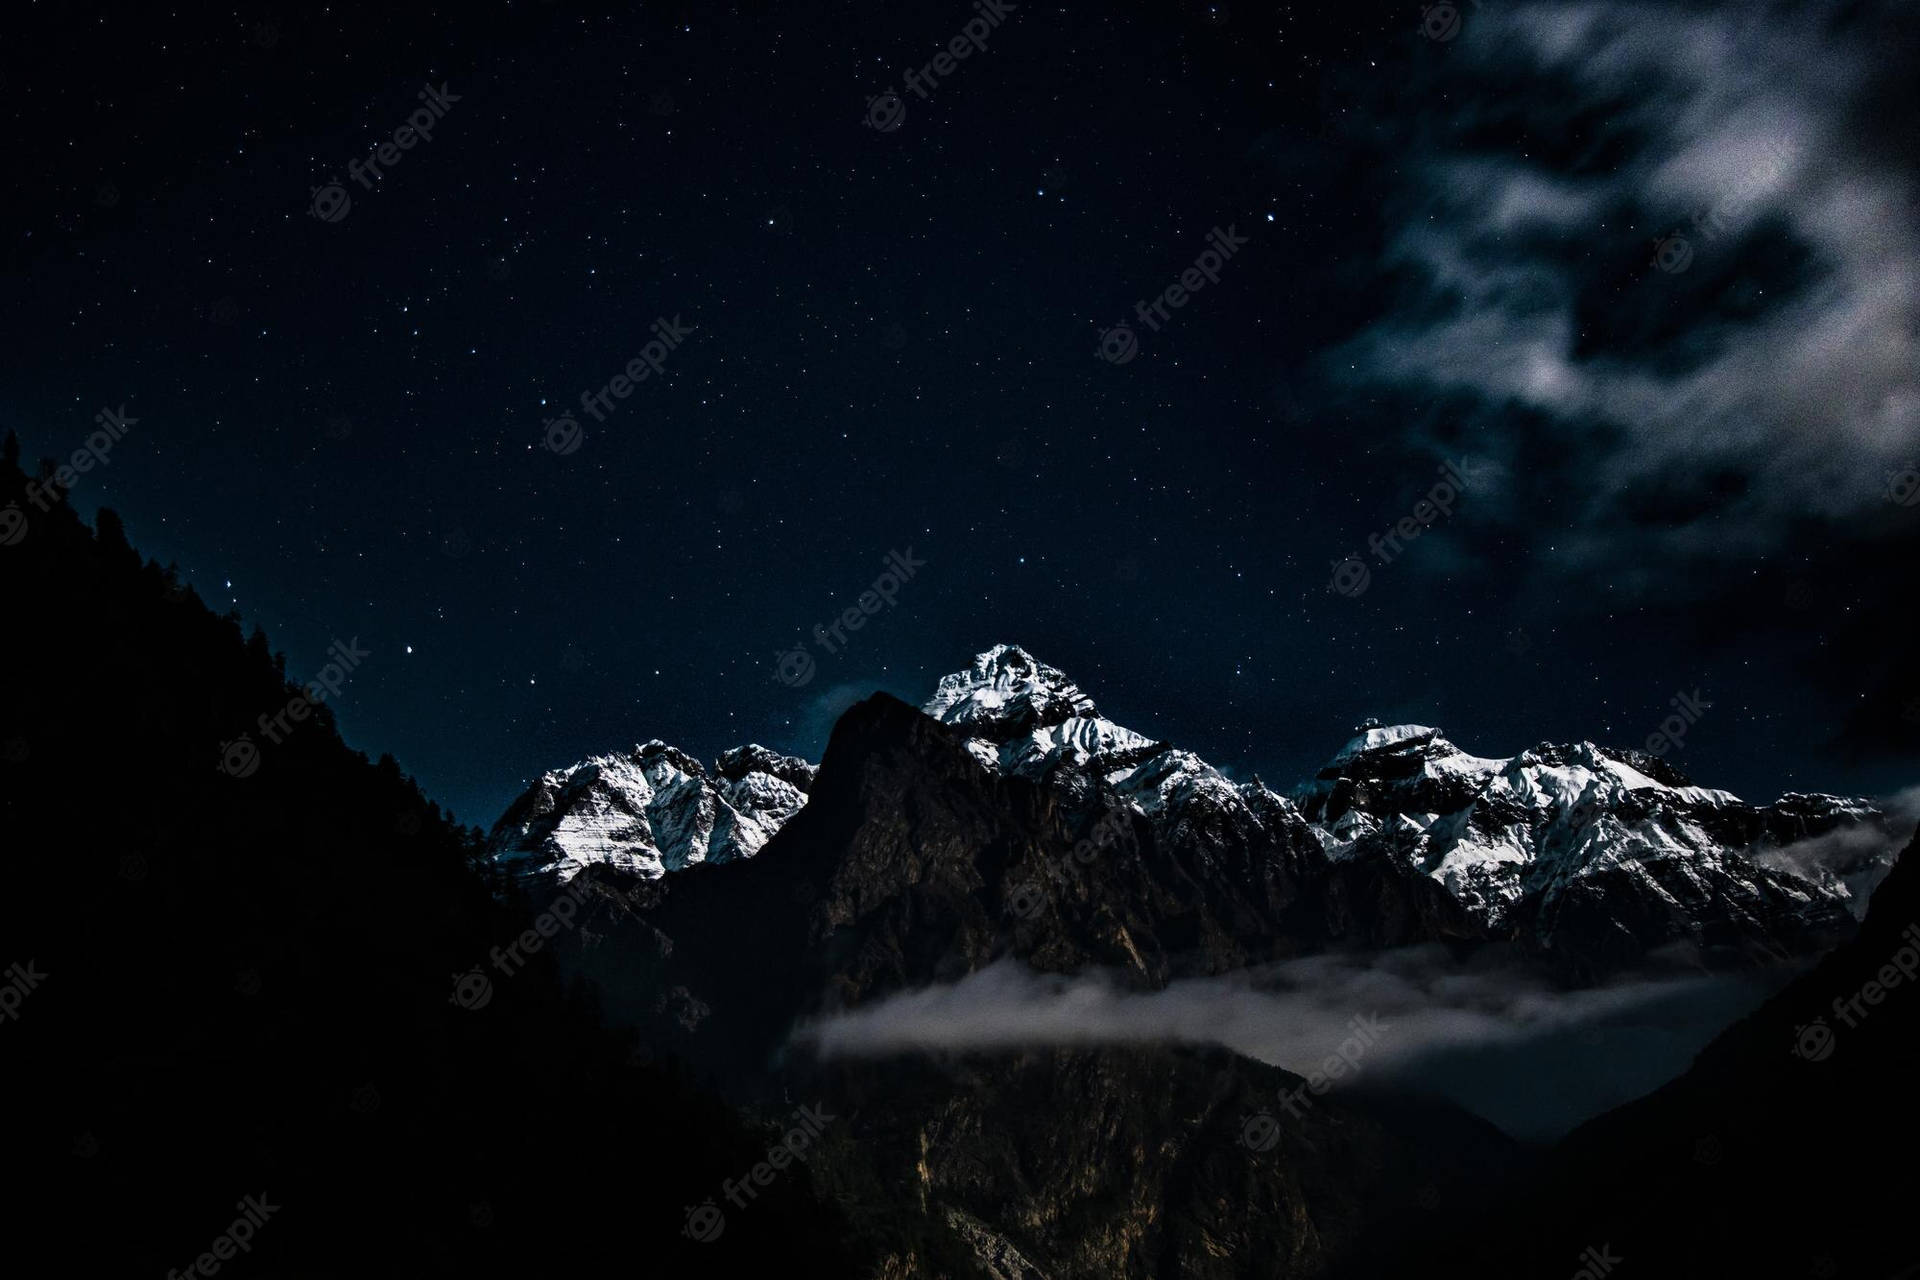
x,y
1776,377
1855,856
1473,1031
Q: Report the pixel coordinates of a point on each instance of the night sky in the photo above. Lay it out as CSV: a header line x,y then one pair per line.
x,y
1688,463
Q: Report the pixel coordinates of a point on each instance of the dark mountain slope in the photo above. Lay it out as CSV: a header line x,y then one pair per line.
x,y
1574,854
905,868
1128,1164
1787,1149
248,979
912,864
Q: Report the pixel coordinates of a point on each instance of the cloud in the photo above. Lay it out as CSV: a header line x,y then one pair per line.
x,y
1700,411
1857,857
1292,1014
1441,1026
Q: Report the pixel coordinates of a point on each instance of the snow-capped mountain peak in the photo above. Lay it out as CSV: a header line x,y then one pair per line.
x,y
649,811
1512,840
1582,849
1372,738
1003,686
1520,838
1023,717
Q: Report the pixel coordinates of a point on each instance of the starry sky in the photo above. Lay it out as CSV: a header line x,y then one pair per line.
x,y
1647,276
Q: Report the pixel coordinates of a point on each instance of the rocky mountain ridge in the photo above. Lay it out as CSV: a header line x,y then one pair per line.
x,y
1592,855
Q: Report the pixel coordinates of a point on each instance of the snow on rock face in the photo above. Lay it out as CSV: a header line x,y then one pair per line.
x,y
1573,846
1024,718
1414,762
1375,740
1029,712
742,762
1611,840
653,810
1556,822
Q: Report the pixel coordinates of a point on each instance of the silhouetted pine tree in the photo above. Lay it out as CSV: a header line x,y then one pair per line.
x,y
249,987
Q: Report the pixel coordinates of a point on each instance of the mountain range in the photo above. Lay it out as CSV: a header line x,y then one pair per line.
x,y
1007,821
1590,857
281,982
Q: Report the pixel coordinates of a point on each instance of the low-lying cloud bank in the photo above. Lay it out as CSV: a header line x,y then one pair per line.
x,y
1480,1033
1292,1014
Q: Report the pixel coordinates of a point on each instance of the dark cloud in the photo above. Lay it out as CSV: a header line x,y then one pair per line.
x,y
1688,400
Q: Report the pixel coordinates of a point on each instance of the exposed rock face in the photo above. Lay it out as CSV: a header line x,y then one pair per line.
x,y
1582,853
1780,1152
1591,857
653,810
1137,1163
1012,820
